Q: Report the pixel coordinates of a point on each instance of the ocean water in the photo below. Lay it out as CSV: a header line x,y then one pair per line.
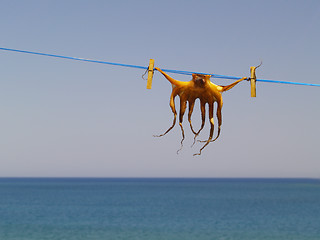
x,y
154,209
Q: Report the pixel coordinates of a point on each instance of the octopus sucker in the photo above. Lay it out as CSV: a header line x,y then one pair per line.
x,y
200,87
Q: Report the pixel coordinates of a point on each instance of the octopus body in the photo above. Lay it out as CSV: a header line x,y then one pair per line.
x,y
207,92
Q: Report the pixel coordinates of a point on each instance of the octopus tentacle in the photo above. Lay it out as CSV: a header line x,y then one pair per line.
x,y
211,129
228,87
191,106
173,109
183,106
219,116
203,120
171,80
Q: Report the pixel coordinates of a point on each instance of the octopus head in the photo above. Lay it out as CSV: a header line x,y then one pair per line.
x,y
200,80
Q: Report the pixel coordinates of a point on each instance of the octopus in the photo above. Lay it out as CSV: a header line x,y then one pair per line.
x,y
199,87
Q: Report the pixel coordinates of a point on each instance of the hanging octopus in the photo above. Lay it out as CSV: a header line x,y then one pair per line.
x,y
200,87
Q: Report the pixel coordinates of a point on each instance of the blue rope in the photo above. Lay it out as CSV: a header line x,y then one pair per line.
x,y
73,58
285,82
143,67
190,73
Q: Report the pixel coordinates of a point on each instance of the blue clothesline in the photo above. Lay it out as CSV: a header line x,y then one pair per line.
x,y
143,67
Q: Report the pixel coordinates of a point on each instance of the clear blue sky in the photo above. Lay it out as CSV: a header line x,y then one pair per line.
x,y
68,118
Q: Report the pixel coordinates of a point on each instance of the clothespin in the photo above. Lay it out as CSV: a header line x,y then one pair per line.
x,y
150,74
253,79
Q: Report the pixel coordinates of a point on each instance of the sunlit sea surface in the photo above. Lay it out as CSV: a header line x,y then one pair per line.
x,y
170,209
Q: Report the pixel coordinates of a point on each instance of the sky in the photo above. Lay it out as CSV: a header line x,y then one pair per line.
x,y
64,118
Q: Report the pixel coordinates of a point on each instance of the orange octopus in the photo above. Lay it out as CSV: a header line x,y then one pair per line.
x,y
200,87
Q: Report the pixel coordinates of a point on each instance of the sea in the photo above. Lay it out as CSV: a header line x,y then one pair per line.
x,y
159,209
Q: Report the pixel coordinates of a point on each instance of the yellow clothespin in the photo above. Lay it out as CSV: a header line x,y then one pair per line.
x,y
150,74
253,79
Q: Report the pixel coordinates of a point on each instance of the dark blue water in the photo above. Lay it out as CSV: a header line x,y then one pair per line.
x,y
34,209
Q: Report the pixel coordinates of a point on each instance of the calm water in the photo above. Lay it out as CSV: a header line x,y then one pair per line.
x,y
34,209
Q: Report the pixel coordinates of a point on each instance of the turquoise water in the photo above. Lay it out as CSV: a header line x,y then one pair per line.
x,y
76,209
